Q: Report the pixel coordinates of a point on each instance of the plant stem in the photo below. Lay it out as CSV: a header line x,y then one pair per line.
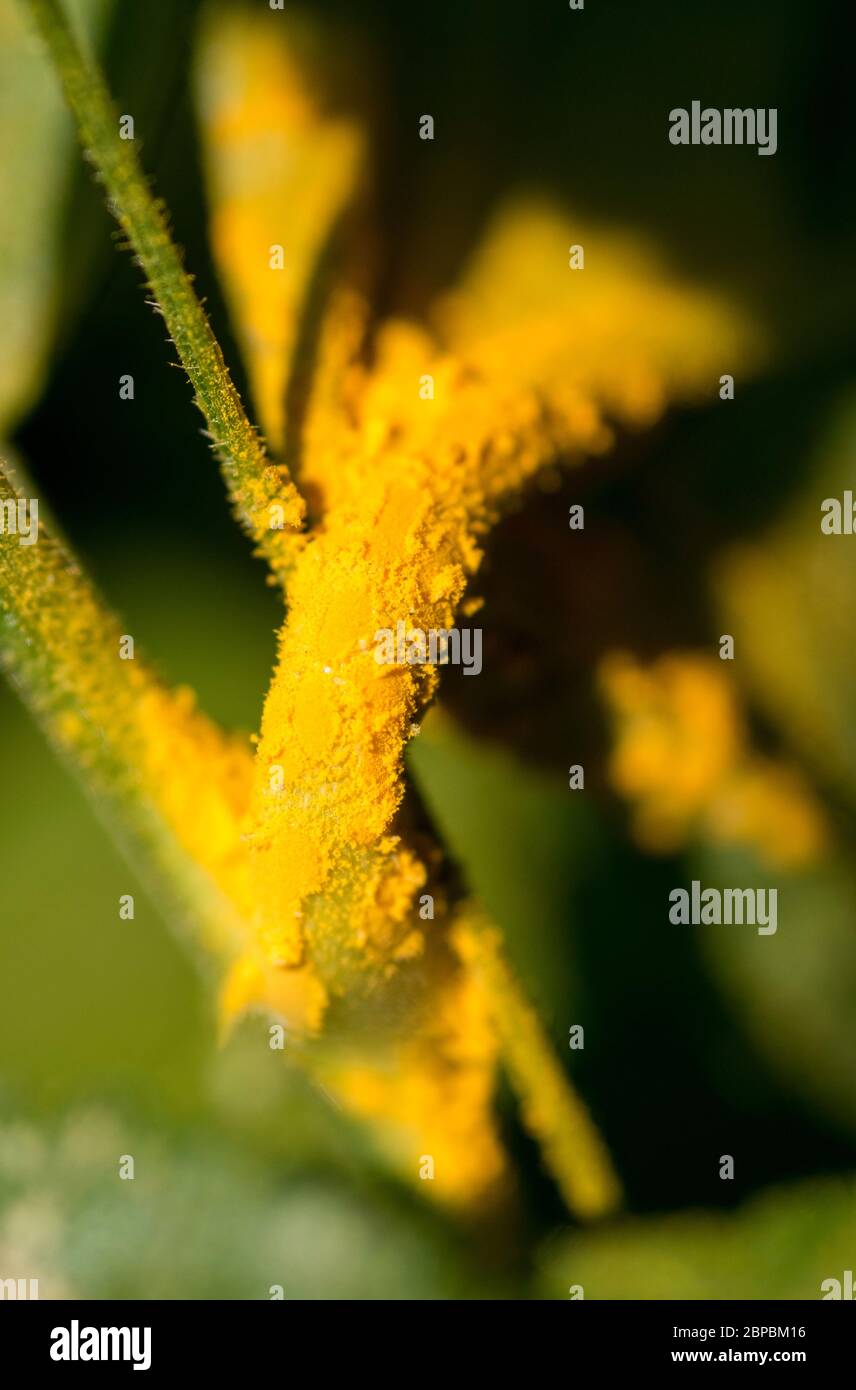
x,y
116,726
552,1112
265,499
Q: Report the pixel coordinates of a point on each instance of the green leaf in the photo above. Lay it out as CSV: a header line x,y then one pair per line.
x,y
782,1245
201,1219
522,840
788,601
35,139
795,989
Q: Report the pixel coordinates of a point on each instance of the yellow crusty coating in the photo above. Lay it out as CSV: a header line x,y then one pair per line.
x,y
408,487
429,1095
682,758
296,996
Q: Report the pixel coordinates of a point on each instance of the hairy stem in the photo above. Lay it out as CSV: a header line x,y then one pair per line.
x,y
264,498
143,752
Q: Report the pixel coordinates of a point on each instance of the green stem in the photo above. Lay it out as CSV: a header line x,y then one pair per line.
x,y
112,721
555,1116
265,499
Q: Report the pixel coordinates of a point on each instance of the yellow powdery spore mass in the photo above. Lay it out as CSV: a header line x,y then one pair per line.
x,y
176,743
526,360
682,758
335,724
410,477
620,339
297,997
280,173
429,1097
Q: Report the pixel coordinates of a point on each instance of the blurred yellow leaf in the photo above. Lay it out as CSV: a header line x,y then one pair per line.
x,y
281,172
